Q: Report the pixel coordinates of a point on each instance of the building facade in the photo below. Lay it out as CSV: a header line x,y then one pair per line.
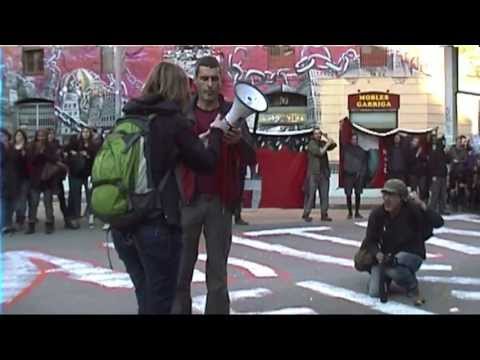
x,y
85,82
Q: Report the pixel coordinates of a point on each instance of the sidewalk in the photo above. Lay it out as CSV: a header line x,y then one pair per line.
x,y
293,217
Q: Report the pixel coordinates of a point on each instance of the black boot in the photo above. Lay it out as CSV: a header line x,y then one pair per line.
x,y
325,217
49,228
21,222
349,206
69,224
307,217
240,221
357,207
31,228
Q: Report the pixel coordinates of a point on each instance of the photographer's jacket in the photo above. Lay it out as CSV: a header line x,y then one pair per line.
x,y
407,231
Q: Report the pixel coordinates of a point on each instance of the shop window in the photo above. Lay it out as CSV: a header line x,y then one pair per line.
x,y
32,61
373,56
280,56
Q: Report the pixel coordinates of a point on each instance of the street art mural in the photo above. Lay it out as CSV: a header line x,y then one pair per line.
x,y
73,76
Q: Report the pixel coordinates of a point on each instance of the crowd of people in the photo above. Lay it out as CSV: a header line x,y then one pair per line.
x,y
36,168
201,167
441,176
446,179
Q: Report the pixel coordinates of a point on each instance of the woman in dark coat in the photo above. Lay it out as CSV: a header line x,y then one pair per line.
x,y
41,154
20,146
59,189
8,178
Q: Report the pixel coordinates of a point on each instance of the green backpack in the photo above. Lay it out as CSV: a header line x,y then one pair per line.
x,y
122,185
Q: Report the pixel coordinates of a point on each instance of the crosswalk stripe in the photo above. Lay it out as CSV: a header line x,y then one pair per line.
x,y
198,302
391,307
463,217
448,230
453,245
285,250
466,295
454,280
254,268
284,311
285,231
307,255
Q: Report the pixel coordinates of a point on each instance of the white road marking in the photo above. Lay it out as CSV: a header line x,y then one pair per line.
x,y
463,217
454,280
254,268
448,230
285,311
285,231
198,276
466,295
436,267
198,302
307,255
453,245
391,307
285,250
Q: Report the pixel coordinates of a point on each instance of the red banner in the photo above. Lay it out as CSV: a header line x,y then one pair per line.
x,y
283,174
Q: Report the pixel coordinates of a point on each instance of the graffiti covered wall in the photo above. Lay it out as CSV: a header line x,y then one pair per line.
x,y
73,76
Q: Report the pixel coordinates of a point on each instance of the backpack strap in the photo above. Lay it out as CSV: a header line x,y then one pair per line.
x,y
143,122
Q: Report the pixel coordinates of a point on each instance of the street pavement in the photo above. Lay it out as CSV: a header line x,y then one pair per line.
x,y
278,265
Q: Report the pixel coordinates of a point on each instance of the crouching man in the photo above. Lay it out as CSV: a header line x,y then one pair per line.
x,y
394,246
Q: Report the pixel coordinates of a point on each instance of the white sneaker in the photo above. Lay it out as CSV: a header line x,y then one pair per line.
x,y
106,227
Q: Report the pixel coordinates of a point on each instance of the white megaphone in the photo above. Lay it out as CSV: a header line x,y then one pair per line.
x,y
248,99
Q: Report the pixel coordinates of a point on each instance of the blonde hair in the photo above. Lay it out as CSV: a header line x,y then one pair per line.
x,y
170,82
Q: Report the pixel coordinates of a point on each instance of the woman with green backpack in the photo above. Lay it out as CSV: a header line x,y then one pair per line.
x,y
151,249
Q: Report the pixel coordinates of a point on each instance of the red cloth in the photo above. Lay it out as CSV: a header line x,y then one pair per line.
x,y
283,174
226,177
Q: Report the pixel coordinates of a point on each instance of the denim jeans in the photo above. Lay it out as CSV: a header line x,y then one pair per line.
x,y
402,272
152,260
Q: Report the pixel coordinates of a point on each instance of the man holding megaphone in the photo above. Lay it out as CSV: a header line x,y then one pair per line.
x,y
210,199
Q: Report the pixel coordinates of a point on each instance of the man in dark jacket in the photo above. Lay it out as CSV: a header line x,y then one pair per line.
x,y
354,172
396,235
457,183
210,199
8,181
318,175
397,160
417,169
437,170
